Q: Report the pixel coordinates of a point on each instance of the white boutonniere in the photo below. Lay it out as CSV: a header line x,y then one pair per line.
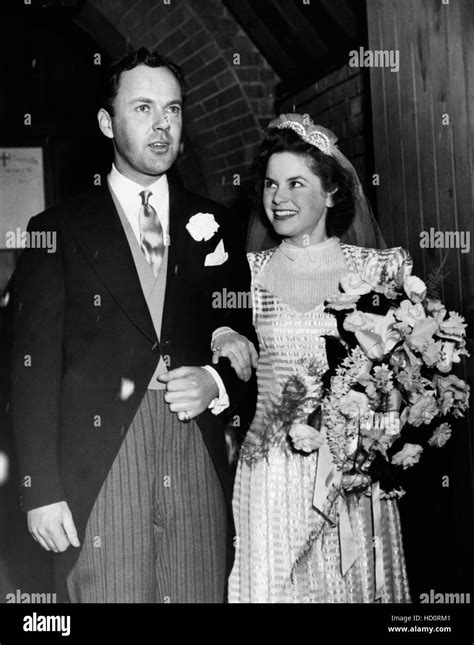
x,y
202,226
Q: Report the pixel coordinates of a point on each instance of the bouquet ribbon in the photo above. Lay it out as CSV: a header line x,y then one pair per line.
x,y
347,541
377,520
329,478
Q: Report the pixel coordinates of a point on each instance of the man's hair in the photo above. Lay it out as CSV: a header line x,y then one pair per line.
x,y
142,56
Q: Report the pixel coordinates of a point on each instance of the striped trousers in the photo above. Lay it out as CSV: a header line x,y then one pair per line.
x,y
157,531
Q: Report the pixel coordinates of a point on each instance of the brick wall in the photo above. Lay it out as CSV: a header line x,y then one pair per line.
x,y
340,102
230,86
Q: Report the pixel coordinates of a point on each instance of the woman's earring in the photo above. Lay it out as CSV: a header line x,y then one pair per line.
x,y
329,199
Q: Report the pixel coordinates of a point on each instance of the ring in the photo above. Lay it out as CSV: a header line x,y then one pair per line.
x,y
186,417
217,348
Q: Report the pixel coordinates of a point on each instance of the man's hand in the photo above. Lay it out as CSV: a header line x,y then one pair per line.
x,y
239,350
189,390
53,527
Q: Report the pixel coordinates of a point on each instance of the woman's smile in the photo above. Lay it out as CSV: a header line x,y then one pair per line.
x,y
294,200
284,214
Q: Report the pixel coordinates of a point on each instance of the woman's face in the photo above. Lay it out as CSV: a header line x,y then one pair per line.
x,y
294,200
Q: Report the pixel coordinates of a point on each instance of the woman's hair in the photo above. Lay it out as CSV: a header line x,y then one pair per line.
x,y
329,171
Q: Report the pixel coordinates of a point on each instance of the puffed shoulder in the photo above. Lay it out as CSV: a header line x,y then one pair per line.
x,y
258,259
377,265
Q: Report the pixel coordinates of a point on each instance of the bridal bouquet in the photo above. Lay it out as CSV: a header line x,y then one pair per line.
x,y
391,391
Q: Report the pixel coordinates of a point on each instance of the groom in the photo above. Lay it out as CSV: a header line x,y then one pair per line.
x,y
115,406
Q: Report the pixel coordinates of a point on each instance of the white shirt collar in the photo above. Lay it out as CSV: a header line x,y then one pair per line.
x,y
128,191
319,253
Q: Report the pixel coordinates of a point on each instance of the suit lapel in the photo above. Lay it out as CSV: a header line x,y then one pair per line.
x,y
180,210
186,254
100,234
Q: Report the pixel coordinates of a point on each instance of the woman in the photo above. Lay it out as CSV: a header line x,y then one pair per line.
x,y
288,546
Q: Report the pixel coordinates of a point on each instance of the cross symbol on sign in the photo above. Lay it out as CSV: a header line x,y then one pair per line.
x,y
4,157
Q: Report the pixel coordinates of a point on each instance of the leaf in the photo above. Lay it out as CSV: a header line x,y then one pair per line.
x,y
336,351
435,279
314,419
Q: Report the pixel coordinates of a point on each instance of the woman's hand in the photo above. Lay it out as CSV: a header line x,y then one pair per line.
x,y
239,350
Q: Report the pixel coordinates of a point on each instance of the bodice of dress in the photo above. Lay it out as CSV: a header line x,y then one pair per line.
x,y
303,277
288,290
289,286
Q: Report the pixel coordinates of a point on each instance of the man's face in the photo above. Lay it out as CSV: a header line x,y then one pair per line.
x,y
147,122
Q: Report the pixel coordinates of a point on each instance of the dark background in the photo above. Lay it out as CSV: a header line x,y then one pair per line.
x,y
291,56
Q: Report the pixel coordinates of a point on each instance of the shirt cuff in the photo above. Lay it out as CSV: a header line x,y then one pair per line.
x,y
221,402
220,330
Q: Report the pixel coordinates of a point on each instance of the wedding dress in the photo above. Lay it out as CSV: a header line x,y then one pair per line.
x,y
276,561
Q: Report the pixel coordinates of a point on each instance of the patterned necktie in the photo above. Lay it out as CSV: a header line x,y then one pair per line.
x,y
151,233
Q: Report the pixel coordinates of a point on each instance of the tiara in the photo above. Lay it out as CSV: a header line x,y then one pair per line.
x,y
314,138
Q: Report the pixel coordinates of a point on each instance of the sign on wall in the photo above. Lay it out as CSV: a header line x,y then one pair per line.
x,y
21,192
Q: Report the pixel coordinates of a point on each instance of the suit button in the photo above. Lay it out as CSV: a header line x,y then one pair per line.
x,y
156,348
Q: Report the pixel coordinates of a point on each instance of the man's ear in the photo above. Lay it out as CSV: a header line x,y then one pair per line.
x,y
105,123
329,199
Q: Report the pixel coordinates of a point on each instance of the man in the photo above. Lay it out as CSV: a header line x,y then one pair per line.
x,y
115,404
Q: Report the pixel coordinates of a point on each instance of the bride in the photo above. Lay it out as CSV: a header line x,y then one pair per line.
x,y
293,546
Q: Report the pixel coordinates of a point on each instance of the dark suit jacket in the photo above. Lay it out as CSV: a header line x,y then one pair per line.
x,y
81,325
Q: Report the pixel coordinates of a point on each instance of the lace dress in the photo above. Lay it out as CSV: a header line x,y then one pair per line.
x,y
274,487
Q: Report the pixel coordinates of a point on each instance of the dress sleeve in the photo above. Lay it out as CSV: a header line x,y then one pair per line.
x,y
379,265
252,259
404,263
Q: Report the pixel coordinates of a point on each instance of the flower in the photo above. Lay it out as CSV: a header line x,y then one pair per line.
x,y
383,377
410,378
371,344
434,306
453,394
305,438
408,456
379,431
453,328
382,338
423,410
422,334
375,397
413,360
202,226
414,288
364,376
432,353
409,313
358,321
353,284
354,404
399,360
440,435
448,356
388,289
342,301
127,388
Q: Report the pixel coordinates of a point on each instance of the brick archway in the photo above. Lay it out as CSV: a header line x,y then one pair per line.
x,y
230,86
